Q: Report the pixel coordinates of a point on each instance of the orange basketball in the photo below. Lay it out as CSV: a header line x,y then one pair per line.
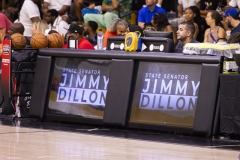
x,y
55,40
18,40
39,40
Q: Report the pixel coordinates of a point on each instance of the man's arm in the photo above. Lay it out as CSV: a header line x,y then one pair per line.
x,y
63,10
2,34
35,19
45,7
180,10
141,19
198,5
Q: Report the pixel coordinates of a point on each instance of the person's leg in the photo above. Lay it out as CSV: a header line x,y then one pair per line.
x,y
108,18
78,6
98,18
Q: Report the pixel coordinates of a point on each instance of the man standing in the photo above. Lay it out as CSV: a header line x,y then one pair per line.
x,y
185,34
90,29
77,32
232,19
146,13
55,22
28,15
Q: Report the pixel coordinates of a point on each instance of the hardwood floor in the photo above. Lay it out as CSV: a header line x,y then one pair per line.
x,y
28,143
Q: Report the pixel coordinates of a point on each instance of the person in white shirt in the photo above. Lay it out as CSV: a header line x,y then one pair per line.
x,y
233,3
55,22
28,15
61,6
183,4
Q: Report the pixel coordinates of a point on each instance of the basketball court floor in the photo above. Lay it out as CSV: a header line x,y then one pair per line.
x,y
27,139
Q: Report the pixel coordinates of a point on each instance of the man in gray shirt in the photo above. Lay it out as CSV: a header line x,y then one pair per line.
x,y
185,34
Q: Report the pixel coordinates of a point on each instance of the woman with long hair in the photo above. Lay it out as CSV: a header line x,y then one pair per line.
x,y
160,23
39,27
189,17
216,32
117,28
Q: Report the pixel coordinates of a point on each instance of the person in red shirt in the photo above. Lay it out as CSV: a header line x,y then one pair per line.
x,y
75,30
4,26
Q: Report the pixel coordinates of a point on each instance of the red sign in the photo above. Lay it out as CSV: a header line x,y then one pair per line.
x,y
6,68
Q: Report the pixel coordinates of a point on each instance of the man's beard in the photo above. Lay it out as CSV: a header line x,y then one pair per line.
x,y
229,24
86,33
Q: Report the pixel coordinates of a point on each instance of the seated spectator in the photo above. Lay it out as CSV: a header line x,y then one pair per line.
x,y
90,29
80,4
117,28
61,6
16,28
234,38
184,4
232,19
55,22
110,7
215,33
39,27
28,15
148,27
201,22
145,14
9,15
233,3
77,32
189,16
185,34
160,23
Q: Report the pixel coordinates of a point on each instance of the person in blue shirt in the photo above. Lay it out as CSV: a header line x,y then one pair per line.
x,y
232,19
146,13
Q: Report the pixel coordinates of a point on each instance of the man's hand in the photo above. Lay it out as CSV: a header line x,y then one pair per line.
x,y
91,6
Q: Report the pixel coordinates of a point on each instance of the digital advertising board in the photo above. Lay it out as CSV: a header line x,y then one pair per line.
x,y
166,94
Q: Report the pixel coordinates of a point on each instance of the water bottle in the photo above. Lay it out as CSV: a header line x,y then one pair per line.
x,y
100,36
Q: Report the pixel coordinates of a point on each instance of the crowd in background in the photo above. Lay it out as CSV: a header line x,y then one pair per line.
x,y
196,21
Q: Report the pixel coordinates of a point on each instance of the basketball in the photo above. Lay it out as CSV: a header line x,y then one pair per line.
x,y
55,40
18,40
39,40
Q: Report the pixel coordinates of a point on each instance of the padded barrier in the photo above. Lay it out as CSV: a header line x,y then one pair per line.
x,y
207,99
118,85
40,87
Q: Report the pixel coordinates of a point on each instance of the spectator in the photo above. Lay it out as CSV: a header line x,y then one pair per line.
x,y
201,23
234,38
160,23
110,7
9,15
16,28
39,27
118,28
55,22
28,15
216,32
184,4
4,26
90,29
80,4
146,13
77,32
232,19
61,6
185,34
189,16
148,27
233,3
